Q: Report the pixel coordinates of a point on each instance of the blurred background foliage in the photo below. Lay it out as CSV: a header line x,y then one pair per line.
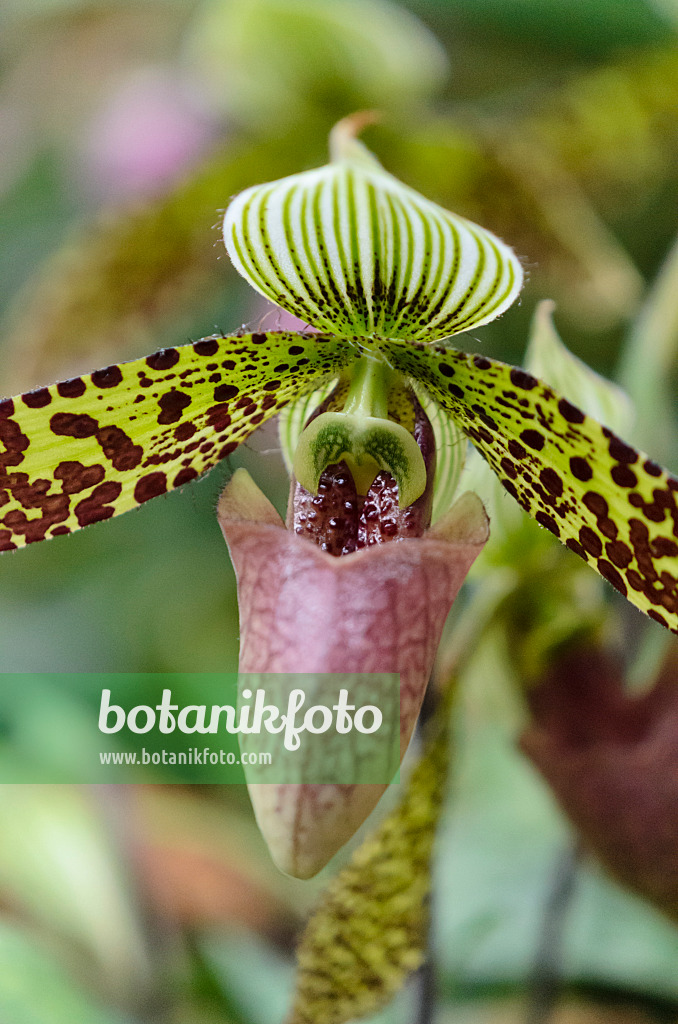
x,y
126,128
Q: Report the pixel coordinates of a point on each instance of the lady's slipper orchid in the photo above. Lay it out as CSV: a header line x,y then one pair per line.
x,y
387,275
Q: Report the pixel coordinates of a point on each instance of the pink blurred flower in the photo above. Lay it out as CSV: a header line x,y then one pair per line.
x,y
153,129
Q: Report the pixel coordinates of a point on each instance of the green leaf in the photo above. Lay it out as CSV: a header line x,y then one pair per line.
x,y
333,56
94,446
370,929
549,360
607,502
349,249
649,360
35,989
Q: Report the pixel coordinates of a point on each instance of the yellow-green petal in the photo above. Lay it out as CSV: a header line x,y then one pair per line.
x,y
97,445
609,503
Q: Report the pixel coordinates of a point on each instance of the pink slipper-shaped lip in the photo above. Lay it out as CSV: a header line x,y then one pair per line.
x,y
378,610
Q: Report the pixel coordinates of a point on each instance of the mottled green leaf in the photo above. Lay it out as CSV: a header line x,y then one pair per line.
x,y
607,502
370,929
94,446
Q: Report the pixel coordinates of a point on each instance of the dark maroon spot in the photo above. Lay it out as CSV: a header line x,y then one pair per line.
x,y
623,476
533,439
663,547
608,572
6,542
296,350
590,541
481,363
95,508
184,476
228,364
6,408
150,487
207,347
172,405
14,441
595,503
622,452
455,390
549,522
68,424
446,370
509,486
228,449
607,527
281,367
225,392
509,468
37,399
658,618
570,412
516,449
551,481
119,448
272,385
575,546
77,477
260,339
109,377
165,359
635,580
61,531
620,554
72,388
652,467
523,380
580,468
184,431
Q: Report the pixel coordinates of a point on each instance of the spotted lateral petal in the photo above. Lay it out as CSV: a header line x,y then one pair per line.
x,y
349,248
92,447
613,506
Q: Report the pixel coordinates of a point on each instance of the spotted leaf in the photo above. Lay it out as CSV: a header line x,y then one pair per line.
x,y
607,502
94,446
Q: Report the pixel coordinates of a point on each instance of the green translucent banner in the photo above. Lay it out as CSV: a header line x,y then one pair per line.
x,y
199,728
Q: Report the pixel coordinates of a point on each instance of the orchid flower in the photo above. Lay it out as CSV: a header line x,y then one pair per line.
x,y
387,277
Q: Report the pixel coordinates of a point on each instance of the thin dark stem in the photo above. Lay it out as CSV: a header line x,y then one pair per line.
x,y
545,983
426,991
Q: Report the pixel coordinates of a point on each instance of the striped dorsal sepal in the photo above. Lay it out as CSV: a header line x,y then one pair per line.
x,y
350,249
92,447
609,503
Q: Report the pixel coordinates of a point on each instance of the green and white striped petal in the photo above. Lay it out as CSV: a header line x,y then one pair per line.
x,y
350,249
